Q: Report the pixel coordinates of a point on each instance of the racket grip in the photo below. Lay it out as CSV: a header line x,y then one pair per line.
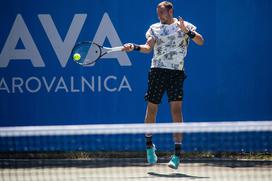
x,y
116,49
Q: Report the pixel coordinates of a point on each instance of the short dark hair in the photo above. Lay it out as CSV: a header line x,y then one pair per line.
x,y
168,5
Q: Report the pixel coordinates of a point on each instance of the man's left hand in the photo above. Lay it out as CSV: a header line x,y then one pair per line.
x,y
182,26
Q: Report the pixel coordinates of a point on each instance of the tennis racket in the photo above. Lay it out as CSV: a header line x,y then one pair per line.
x,y
87,52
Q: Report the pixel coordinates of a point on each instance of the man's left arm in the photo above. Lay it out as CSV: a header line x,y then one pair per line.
x,y
198,39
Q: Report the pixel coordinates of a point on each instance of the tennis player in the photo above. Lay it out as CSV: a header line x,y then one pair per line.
x,y
169,39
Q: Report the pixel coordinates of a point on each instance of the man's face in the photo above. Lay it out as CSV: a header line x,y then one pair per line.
x,y
164,15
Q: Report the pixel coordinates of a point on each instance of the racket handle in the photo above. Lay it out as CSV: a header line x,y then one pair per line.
x,y
115,49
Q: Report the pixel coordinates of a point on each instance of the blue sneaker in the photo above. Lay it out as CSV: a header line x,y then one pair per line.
x,y
174,162
151,155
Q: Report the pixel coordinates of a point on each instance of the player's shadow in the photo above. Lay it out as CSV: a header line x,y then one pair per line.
x,y
175,175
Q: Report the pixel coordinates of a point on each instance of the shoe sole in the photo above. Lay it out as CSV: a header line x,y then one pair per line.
x,y
172,166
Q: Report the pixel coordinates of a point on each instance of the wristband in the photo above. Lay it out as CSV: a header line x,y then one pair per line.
x,y
191,34
136,47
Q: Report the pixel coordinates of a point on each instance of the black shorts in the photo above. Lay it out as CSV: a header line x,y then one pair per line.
x,y
161,80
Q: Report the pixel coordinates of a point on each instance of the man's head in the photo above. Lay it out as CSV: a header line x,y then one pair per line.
x,y
165,12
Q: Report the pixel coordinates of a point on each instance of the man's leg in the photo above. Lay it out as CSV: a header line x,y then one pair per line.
x,y
151,112
156,88
150,117
176,111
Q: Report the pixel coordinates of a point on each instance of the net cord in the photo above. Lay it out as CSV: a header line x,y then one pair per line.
x,y
96,129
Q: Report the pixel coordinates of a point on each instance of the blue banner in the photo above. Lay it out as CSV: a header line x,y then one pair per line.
x,y
229,78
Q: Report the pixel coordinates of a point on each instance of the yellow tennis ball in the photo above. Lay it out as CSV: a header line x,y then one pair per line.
x,y
76,56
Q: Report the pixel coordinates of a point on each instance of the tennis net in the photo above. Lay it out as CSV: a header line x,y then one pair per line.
x,y
239,151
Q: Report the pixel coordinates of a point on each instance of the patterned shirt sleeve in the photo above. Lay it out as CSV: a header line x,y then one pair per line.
x,y
150,33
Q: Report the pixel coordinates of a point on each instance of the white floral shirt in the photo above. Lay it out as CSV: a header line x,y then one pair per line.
x,y
170,45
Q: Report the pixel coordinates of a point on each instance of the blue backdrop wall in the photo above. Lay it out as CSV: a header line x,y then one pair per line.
x,y
229,78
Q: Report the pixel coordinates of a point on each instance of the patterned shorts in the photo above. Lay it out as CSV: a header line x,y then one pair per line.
x,y
161,80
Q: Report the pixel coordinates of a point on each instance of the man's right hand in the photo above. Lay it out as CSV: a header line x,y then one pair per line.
x,y
128,47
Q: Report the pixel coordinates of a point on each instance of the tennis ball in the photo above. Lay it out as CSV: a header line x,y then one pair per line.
x,y
76,56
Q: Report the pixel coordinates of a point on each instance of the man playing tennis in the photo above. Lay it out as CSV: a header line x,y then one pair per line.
x,y
169,38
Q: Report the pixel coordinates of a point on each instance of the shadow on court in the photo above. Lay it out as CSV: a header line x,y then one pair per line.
x,y
128,162
175,175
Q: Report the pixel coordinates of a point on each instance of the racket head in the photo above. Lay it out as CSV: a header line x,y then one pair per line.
x,y
89,52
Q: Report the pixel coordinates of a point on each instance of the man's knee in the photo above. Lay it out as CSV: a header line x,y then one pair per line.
x,y
176,108
152,109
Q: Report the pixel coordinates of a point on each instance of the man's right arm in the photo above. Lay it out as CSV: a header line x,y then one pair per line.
x,y
146,48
